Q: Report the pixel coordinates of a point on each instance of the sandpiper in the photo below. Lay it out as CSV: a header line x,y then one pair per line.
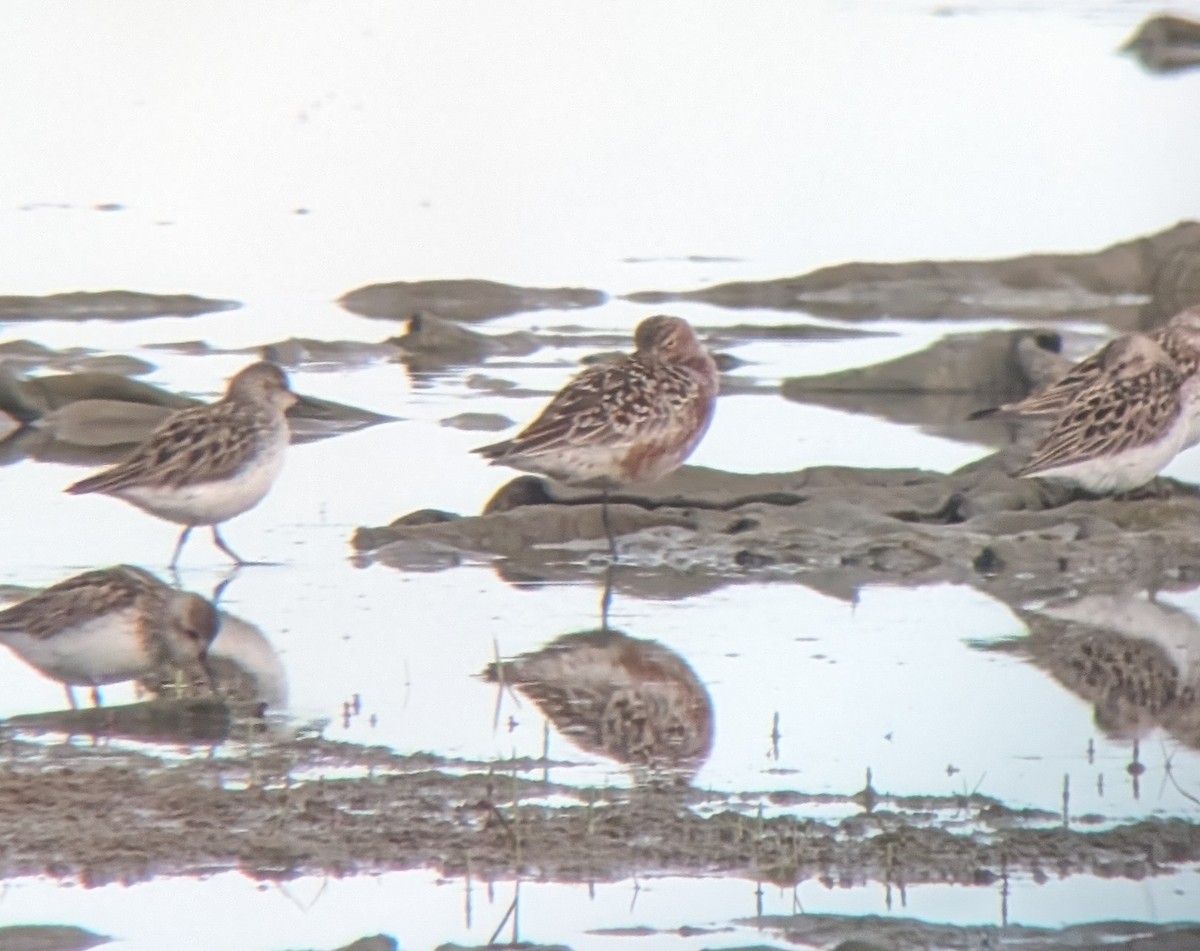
x,y
634,419
1179,338
1122,429
110,625
206,464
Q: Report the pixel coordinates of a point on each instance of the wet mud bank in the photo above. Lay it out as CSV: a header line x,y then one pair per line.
x,y
108,305
1126,285
465,299
875,933
1018,538
104,815
1166,44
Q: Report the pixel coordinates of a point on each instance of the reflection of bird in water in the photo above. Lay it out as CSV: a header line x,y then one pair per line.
x,y
634,701
634,419
110,625
243,666
205,464
1135,659
1118,432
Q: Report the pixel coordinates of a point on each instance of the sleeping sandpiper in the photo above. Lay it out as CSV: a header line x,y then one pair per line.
x,y
1179,338
634,419
1125,426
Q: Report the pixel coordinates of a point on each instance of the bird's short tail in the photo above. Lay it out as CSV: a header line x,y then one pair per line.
x,y
96,483
494,450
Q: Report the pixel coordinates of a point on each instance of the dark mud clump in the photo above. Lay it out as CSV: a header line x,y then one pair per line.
x,y
1166,44
467,299
1017,537
940,387
432,343
87,417
1094,285
108,305
878,933
48,938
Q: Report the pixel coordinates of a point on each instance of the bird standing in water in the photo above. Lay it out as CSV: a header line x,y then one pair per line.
x,y
110,625
635,419
205,464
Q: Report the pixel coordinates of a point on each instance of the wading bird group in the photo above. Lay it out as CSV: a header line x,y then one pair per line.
x,y
1115,421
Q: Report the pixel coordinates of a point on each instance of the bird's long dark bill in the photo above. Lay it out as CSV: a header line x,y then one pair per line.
x,y
209,677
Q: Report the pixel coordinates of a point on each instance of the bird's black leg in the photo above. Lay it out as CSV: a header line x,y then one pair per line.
x,y
183,537
225,548
612,542
606,597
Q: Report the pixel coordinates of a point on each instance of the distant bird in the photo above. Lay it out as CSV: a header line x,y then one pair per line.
x,y
1118,432
634,419
1179,338
110,625
637,702
205,464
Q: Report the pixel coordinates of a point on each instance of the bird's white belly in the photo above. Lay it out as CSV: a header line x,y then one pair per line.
x,y
210,503
1190,397
103,650
579,465
1123,471
1193,433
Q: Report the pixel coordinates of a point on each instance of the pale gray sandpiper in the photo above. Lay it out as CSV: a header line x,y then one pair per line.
x,y
206,464
108,626
1179,338
634,419
1123,428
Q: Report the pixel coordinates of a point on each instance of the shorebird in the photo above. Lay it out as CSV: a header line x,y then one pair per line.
x,y
110,625
1119,431
205,464
635,419
1179,338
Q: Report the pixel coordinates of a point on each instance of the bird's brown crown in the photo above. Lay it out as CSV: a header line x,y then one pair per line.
x,y
666,337
261,382
192,625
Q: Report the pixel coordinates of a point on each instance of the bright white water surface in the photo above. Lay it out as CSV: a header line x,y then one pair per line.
x,y
541,144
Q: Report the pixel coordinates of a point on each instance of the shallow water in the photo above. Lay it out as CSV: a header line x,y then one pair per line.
x,y
534,145
420,909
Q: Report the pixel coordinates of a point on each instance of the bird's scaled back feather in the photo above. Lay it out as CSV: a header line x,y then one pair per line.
x,y
196,445
1054,398
1179,338
628,400
1110,417
78,599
